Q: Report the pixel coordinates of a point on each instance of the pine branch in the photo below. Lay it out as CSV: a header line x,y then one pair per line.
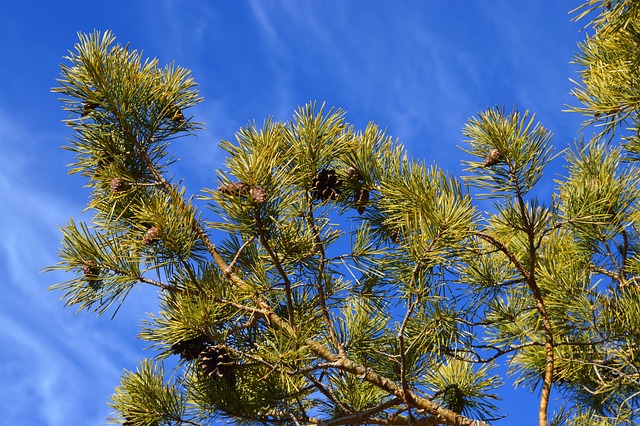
x,y
239,253
320,285
278,265
364,416
400,336
330,395
503,248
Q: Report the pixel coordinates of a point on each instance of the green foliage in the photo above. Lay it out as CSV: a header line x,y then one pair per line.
x,y
349,284
144,399
523,150
463,389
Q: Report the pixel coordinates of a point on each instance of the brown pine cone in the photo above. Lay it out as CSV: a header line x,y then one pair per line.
x,y
353,174
117,185
190,349
235,188
258,193
91,273
360,199
152,235
493,157
216,361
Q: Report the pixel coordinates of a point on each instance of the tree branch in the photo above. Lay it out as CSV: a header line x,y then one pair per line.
x,y
278,265
504,249
344,363
542,310
363,416
320,287
403,355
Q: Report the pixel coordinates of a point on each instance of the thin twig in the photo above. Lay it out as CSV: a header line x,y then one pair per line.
x,y
278,265
403,355
252,321
328,392
320,285
238,254
362,416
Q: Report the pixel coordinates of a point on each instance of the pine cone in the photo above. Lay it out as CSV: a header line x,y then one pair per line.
x,y
353,174
493,157
175,114
152,235
258,193
190,349
89,105
325,185
360,199
117,185
216,362
235,188
91,273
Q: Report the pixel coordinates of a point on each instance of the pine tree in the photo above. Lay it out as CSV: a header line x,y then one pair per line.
x,y
349,284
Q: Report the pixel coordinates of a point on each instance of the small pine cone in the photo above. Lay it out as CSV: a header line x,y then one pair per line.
x,y
190,349
330,194
117,185
395,236
151,236
88,107
325,185
493,157
235,188
91,273
360,199
178,117
175,114
353,174
258,193
216,361
332,179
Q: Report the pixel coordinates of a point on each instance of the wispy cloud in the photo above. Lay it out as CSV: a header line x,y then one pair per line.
x,y
407,68
55,366
389,63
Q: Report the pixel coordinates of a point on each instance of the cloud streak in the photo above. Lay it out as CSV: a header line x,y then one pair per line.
x,y
54,365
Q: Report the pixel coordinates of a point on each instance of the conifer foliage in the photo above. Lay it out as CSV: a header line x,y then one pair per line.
x,y
347,284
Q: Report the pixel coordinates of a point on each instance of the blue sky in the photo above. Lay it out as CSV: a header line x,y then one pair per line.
x,y
418,68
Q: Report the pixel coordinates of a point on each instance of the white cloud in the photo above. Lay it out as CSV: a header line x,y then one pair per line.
x,y
57,368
